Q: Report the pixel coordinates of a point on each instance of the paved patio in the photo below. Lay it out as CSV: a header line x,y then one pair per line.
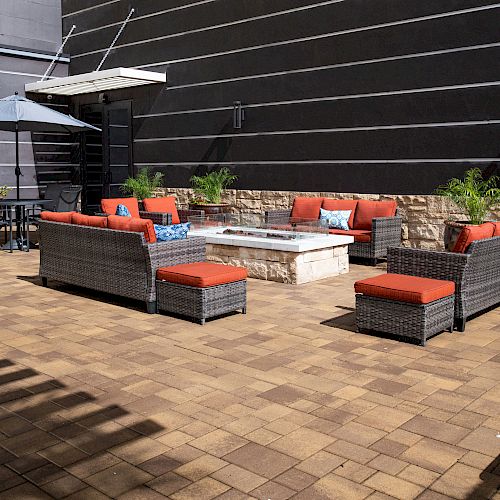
x,y
99,399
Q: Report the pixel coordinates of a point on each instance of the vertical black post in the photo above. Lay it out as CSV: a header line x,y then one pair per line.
x,y
18,169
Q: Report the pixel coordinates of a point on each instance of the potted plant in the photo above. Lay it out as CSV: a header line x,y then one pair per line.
x,y
143,185
208,191
475,195
4,191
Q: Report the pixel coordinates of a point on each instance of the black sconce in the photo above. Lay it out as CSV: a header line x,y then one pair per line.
x,y
238,114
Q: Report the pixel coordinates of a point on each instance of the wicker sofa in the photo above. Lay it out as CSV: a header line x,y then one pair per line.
x,y
476,273
372,236
111,261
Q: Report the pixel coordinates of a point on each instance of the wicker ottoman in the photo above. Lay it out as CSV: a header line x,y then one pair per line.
x,y
406,306
201,290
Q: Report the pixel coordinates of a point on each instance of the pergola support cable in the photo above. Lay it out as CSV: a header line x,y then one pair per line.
x,y
58,54
120,31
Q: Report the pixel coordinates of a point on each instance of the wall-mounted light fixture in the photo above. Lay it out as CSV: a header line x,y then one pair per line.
x,y
238,114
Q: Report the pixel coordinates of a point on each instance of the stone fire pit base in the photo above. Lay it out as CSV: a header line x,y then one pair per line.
x,y
281,266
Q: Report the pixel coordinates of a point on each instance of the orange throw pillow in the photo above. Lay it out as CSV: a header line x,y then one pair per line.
x,y
497,229
108,205
331,204
57,216
473,233
306,208
89,220
368,210
133,224
165,205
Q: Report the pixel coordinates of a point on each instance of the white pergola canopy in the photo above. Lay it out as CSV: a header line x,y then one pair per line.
x,y
97,81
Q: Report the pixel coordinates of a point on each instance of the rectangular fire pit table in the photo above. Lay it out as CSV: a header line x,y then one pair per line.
x,y
295,254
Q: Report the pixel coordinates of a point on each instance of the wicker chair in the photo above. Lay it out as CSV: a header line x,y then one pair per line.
x,y
386,232
476,273
115,262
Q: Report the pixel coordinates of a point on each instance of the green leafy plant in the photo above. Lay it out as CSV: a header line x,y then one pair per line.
x,y
473,194
4,191
208,188
143,185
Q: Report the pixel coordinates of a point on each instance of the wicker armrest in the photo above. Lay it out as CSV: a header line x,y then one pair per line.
x,y
184,214
162,218
171,253
388,228
277,216
427,263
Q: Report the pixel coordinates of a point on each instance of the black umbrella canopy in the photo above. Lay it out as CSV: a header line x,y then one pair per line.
x,y
21,114
18,114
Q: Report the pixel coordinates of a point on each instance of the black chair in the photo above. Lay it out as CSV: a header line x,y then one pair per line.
x,y
4,222
65,198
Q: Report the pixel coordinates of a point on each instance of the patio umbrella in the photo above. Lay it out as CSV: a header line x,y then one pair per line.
x,y
20,114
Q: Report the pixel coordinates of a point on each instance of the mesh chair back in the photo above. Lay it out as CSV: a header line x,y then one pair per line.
x,y
68,199
53,192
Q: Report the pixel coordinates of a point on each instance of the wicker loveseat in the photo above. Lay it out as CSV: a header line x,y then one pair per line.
x,y
476,273
375,225
111,261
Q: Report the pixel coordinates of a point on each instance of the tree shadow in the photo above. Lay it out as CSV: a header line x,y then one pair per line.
x,y
49,434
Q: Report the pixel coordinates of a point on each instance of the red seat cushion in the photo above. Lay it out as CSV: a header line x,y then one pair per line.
x,y
201,274
473,233
306,208
405,288
57,216
360,235
89,220
108,205
331,204
367,210
164,205
134,224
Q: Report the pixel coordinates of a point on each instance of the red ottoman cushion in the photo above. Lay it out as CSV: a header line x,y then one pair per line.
x,y
403,288
201,274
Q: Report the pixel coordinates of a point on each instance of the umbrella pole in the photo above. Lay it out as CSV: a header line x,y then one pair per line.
x,y
18,169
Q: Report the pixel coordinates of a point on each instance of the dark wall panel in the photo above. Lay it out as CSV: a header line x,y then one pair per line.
x,y
403,109
296,88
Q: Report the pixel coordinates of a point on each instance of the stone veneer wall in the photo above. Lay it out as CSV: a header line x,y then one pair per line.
x,y
423,215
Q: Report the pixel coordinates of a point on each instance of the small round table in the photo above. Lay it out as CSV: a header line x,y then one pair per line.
x,y
21,210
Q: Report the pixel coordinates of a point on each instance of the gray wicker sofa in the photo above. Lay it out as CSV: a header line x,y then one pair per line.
x,y
385,232
476,273
111,261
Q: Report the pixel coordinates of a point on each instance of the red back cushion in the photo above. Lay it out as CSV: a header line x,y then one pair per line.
x,y
134,224
57,216
473,233
306,208
164,205
496,232
89,220
108,205
331,204
367,210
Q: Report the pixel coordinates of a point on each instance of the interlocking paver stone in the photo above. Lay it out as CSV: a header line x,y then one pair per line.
x,y
99,399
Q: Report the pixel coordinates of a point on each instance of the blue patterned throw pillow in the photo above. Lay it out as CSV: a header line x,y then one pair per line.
x,y
336,219
123,211
173,232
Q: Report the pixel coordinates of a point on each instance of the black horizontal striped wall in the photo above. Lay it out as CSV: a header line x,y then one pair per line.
x,y
379,96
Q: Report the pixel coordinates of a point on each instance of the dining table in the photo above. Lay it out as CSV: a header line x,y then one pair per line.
x,y
16,218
